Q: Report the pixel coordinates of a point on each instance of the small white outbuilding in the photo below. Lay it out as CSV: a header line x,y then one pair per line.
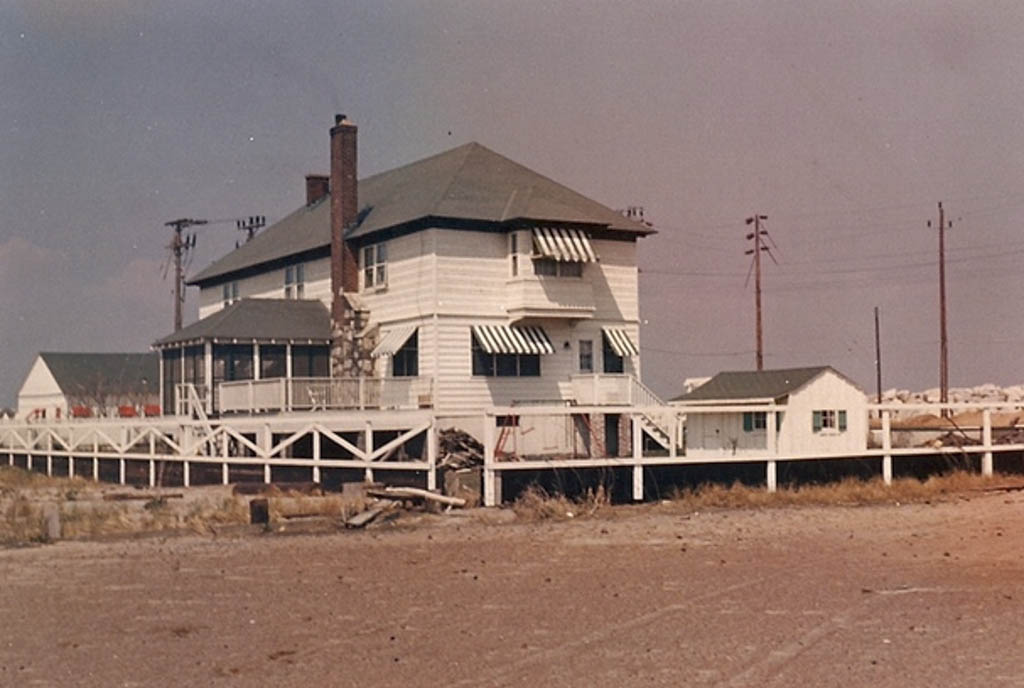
x,y
63,385
813,411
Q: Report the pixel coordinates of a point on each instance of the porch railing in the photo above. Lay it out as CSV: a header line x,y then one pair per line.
x,y
613,388
321,394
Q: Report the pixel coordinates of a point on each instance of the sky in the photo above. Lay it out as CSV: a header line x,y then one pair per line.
x,y
844,123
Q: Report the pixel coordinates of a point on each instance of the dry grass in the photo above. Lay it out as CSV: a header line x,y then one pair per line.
x,y
537,504
847,492
26,499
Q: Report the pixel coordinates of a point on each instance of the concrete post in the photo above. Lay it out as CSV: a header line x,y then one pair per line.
x,y
638,455
490,492
887,446
316,455
986,442
367,444
771,477
432,455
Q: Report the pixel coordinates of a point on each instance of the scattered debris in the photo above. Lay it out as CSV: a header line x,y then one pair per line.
x,y
415,494
459,449
364,518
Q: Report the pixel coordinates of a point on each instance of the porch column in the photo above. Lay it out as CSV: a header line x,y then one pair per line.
x,y
286,386
772,433
255,361
208,374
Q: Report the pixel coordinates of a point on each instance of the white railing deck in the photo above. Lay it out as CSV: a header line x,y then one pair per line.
x,y
322,394
612,388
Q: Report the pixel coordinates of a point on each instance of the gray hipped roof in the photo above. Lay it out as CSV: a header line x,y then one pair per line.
x,y
104,373
260,320
470,182
755,384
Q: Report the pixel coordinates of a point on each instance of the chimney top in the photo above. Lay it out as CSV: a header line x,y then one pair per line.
x,y
341,119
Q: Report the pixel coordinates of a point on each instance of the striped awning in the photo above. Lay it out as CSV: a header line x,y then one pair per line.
x,y
505,339
567,245
392,341
620,342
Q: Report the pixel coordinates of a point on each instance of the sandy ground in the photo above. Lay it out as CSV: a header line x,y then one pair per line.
x,y
929,594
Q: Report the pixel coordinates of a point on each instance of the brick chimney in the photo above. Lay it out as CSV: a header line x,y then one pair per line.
x,y
317,186
344,205
350,347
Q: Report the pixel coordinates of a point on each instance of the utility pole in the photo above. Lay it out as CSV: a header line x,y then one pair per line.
x,y
943,337
878,362
250,226
756,251
179,246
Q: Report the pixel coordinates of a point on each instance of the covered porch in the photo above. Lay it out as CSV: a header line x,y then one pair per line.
x,y
268,355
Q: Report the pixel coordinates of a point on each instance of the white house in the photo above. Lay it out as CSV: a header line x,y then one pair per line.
x,y
63,385
808,410
460,281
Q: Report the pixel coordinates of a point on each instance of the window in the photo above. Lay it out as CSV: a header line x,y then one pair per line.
x,y
513,252
548,267
406,361
294,281
613,363
230,293
828,419
586,356
375,266
272,361
311,361
195,365
754,420
503,365
232,362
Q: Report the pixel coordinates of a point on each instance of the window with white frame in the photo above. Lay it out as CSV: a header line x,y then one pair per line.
x,y
754,420
549,267
513,254
294,281
828,420
586,355
229,293
503,365
375,266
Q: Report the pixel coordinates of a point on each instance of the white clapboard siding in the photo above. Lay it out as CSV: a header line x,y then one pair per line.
x,y
410,289
827,391
41,391
444,281
270,285
615,290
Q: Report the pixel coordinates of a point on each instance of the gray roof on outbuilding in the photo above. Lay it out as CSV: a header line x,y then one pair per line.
x,y
468,183
755,384
260,320
112,373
